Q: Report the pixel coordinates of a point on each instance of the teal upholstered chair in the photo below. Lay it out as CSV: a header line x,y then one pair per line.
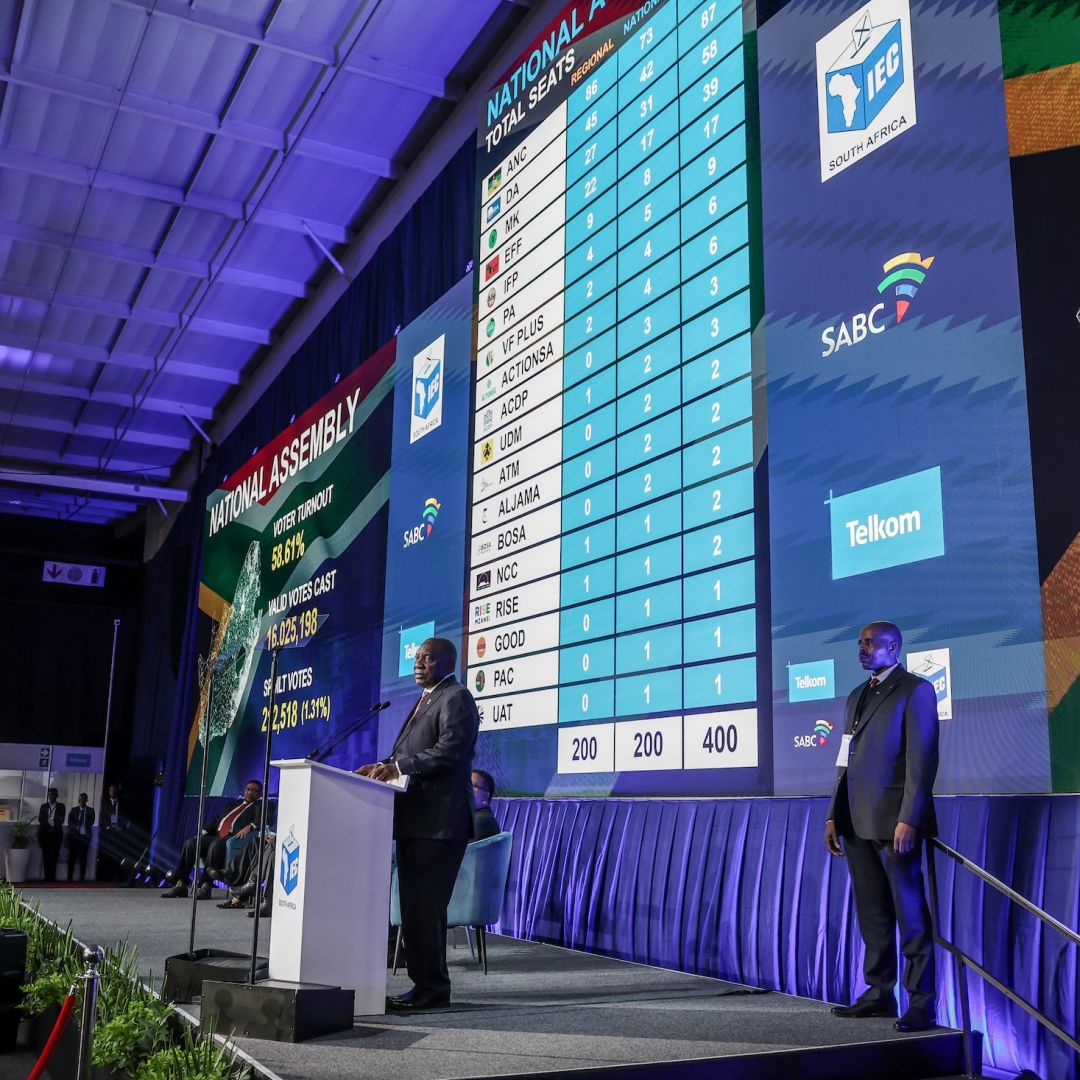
x,y
478,892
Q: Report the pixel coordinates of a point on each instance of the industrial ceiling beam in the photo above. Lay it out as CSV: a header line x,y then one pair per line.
x,y
254,33
233,209
343,155
95,354
128,489
408,78
317,94
48,388
82,429
185,116
249,30
66,500
85,516
68,460
136,256
155,316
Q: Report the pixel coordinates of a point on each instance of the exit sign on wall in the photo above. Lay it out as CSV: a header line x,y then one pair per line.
x,y
63,573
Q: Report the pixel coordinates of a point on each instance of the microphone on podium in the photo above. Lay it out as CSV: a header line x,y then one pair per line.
x,y
321,752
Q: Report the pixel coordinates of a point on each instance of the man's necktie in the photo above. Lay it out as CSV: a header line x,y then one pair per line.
x,y
874,682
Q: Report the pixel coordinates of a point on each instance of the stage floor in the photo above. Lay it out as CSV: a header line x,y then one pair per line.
x,y
541,1010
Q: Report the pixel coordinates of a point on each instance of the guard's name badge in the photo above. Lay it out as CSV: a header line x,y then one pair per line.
x,y
845,749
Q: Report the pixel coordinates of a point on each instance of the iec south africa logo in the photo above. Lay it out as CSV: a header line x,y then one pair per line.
x,y
865,84
427,390
904,275
289,874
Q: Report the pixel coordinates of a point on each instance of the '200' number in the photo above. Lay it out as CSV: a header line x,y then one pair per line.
x,y
585,748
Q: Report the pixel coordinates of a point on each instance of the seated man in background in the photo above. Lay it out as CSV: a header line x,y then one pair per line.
x,y
261,868
80,827
485,823
239,820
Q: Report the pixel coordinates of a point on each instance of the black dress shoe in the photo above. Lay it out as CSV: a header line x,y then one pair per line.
x,y
861,1010
175,893
243,892
915,1020
416,1001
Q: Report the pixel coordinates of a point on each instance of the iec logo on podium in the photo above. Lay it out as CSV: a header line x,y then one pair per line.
x,y
866,90
289,874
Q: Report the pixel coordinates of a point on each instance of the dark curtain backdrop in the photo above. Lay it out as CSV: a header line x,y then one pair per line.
x,y
743,889
419,261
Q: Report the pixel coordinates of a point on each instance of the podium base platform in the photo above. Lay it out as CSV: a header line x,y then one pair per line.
x,y
278,1010
186,972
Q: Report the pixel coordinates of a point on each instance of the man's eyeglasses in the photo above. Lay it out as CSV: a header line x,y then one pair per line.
x,y
480,787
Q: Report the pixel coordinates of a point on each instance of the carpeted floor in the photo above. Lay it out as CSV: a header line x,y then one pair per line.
x,y
540,1010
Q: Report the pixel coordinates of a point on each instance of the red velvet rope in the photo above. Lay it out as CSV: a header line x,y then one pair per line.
x,y
54,1038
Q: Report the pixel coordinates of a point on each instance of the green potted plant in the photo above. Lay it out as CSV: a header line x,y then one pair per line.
x,y
18,852
196,1056
123,1042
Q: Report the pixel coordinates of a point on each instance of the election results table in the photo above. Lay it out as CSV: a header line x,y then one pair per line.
x,y
611,577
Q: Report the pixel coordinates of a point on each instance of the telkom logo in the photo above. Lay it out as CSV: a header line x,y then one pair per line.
x,y
889,524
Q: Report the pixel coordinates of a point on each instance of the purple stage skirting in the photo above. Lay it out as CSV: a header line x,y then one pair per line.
x,y
743,889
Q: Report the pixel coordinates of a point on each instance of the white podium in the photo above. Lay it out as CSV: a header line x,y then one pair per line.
x,y
331,899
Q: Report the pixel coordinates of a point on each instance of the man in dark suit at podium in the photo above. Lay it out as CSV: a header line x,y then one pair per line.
x,y
883,808
433,818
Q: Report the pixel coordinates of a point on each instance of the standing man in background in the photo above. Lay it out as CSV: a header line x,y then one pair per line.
x,y
433,818
50,832
114,839
883,808
80,829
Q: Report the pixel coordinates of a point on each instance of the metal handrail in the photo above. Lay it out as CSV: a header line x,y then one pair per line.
x,y
964,961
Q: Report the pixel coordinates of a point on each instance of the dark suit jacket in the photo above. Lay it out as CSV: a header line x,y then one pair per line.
x,y
122,821
73,821
485,823
251,816
435,750
43,818
892,760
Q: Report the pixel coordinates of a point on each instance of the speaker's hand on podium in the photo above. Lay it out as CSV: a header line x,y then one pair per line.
x,y
380,770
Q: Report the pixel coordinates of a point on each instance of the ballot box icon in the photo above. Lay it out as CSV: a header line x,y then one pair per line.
x,y
290,863
935,667
427,389
865,76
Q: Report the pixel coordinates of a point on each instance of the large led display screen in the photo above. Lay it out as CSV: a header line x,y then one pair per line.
x,y
292,564
612,636
899,456
654,590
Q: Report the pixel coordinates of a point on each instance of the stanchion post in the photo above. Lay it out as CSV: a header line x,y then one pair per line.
x,y
260,840
93,955
958,960
200,845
